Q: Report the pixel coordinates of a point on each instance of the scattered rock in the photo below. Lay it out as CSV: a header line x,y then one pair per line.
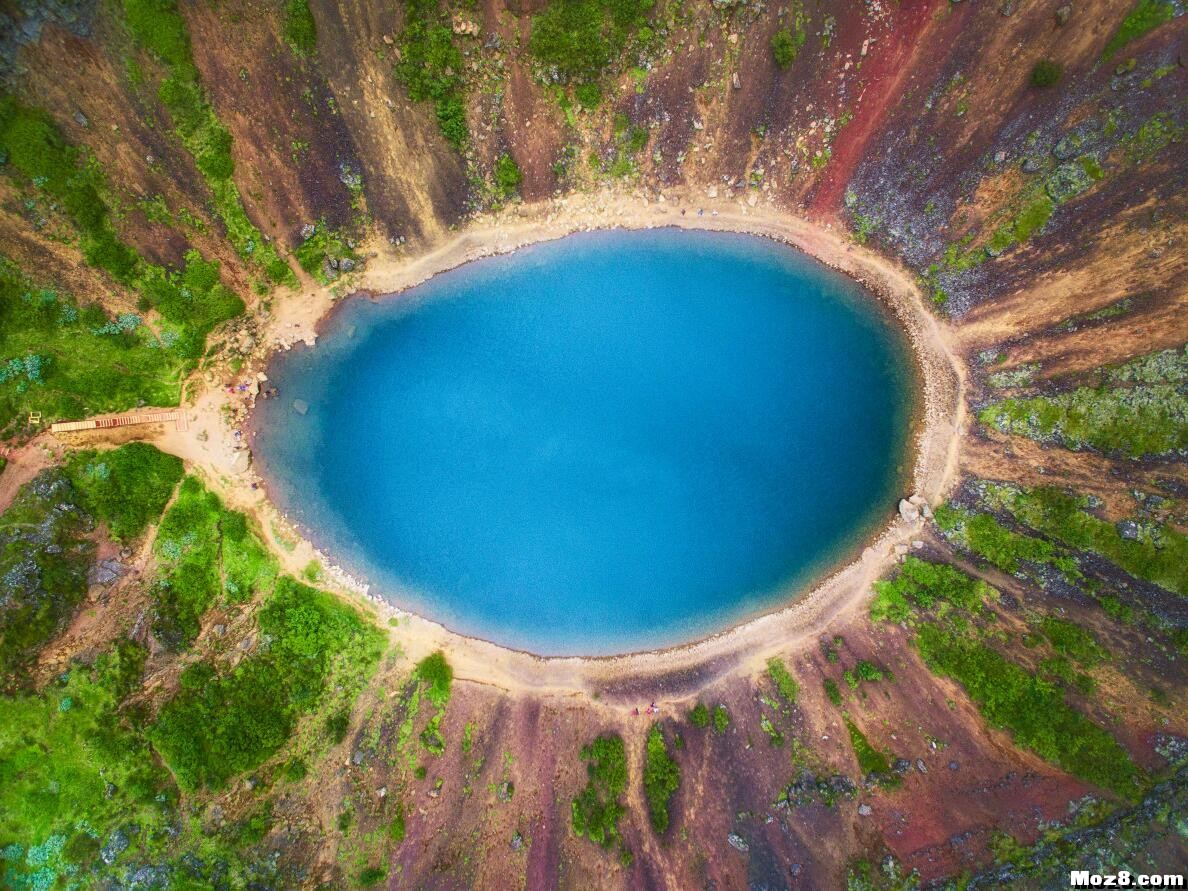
x,y
81,119
738,842
105,572
901,766
241,462
1032,165
300,406
116,845
864,810
953,765
921,766
517,842
909,511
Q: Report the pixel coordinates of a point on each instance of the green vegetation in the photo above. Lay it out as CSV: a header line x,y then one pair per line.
x,y
983,535
921,585
1148,419
299,29
597,808
1046,73
72,770
581,38
1156,553
832,692
158,27
1146,16
721,719
1071,640
699,715
431,67
507,177
1032,709
44,558
67,361
204,551
323,251
661,778
870,759
785,46
35,148
435,676
783,680
944,605
220,724
127,488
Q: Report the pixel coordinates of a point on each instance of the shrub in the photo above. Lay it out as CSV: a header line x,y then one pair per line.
x,y
431,67
300,30
832,692
721,719
1046,73
661,777
783,680
596,811
507,176
784,47
699,716
219,725
127,487
436,672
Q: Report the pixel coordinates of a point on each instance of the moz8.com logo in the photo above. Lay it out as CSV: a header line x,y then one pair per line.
x,y
1082,878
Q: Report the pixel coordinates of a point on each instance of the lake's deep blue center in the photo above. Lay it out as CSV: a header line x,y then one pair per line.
x,y
607,443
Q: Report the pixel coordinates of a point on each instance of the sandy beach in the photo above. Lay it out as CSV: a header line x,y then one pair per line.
x,y
217,435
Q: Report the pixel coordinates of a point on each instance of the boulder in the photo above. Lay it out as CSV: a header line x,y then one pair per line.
x,y
909,511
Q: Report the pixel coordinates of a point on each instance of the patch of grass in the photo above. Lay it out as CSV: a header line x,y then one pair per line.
x,y
928,586
322,253
221,724
35,147
73,770
1132,421
721,719
661,778
1146,16
870,759
1071,640
783,680
1159,554
204,550
431,67
785,46
507,177
1046,73
299,29
581,38
597,809
1033,710
832,693
68,362
127,487
44,558
984,536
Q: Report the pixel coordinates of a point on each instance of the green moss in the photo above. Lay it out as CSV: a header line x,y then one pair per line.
x,y
597,809
507,177
431,67
1159,554
832,693
661,778
1031,709
870,759
1146,16
721,719
44,559
983,535
1046,73
219,725
127,487
299,29
204,551
1132,421
783,680
581,38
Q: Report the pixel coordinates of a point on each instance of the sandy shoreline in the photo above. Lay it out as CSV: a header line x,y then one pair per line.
x,y
210,446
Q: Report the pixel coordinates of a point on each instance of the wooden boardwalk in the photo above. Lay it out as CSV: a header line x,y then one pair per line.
x,y
125,419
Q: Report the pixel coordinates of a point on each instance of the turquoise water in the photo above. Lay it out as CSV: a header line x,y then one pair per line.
x,y
612,442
